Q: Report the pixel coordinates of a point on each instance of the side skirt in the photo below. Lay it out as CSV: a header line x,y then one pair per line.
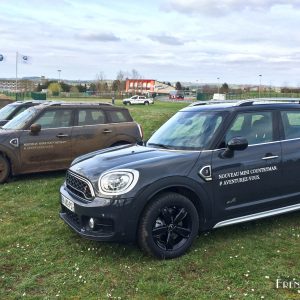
x,y
260,215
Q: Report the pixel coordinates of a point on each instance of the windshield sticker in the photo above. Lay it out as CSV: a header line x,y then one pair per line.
x,y
42,145
244,176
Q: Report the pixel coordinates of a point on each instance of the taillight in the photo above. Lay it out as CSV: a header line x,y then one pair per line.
x,y
140,130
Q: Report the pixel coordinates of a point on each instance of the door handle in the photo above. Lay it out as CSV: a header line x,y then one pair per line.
x,y
107,131
61,135
270,157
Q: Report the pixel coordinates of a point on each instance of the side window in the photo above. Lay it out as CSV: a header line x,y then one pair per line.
x,y
118,116
256,127
90,117
291,124
21,110
55,118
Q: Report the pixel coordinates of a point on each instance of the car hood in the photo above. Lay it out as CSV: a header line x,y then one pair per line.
x,y
143,159
4,134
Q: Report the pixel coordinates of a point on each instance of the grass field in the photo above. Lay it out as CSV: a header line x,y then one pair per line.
x,y
41,258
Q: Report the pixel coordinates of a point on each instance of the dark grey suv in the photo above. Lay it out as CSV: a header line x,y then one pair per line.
x,y
208,166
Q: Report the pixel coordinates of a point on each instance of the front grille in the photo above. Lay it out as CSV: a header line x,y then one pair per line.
x,y
79,186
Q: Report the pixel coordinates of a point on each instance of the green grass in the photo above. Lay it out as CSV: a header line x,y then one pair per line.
x,y
41,258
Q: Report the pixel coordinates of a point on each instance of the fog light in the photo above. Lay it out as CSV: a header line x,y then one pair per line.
x,y
92,223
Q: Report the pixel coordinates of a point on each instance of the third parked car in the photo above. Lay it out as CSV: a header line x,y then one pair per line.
x,y
49,136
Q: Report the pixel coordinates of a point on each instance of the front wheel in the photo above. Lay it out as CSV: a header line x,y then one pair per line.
x,y
4,169
146,103
168,226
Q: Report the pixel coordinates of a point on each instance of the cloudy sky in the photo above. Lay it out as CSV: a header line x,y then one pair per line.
x,y
186,40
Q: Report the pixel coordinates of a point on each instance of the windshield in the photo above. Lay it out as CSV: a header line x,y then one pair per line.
x,y
187,131
6,111
21,120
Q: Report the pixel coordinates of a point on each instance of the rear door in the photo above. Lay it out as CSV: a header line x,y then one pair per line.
x,y
291,154
50,149
92,132
248,181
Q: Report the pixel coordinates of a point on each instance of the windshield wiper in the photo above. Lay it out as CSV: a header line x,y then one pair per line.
x,y
159,145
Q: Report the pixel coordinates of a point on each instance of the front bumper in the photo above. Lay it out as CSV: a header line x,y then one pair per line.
x,y
115,218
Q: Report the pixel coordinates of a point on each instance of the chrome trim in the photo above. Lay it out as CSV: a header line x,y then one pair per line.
x,y
135,177
287,140
206,177
270,157
14,142
104,124
259,215
84,180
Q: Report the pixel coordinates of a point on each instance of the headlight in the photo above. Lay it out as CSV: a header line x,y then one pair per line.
x,y
117,182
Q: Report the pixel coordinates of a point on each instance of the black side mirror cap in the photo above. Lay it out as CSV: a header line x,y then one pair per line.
x,y
235,144
35,128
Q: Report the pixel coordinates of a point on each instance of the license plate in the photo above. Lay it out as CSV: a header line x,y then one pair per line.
x,y
69,204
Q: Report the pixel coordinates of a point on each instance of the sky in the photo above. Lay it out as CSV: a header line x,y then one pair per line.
x,y
167,40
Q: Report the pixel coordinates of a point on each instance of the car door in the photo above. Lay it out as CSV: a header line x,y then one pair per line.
x,y
248,181
141,99
134,99
92,132
290,154
50,148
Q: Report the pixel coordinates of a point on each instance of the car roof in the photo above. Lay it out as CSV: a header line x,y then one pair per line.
x,y
215,105
103,105
20,103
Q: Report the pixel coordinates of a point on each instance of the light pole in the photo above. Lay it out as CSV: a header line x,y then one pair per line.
x,y
218,86
259,85
58,75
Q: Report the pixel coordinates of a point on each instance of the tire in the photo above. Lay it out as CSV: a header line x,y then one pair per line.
x,y
4,169
146,103
160,234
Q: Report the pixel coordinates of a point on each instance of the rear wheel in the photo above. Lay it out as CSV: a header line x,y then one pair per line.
x,y
146,103
168,226
4,169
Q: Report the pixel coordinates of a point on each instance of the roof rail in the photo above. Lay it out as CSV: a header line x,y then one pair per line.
x,y
244,103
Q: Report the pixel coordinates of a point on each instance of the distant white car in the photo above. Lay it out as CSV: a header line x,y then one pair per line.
x,y
138,100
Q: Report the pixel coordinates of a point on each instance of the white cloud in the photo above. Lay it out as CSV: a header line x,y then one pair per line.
x,y
166,39
223,7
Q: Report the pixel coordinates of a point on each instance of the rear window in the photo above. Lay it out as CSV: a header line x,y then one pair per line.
x,y
291,124
119,116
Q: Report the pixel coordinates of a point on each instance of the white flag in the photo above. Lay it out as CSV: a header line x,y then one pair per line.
x,y
25,59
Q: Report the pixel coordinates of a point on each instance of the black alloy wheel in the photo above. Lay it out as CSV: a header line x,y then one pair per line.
x,y
168,226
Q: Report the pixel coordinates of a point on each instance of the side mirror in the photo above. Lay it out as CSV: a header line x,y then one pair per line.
x,y
235,144
35,128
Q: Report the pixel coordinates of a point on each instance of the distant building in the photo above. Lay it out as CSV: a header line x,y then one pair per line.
x,y
144,86
24,85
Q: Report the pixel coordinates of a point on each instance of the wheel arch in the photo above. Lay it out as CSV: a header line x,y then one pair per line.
x,y
11,160
195,194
